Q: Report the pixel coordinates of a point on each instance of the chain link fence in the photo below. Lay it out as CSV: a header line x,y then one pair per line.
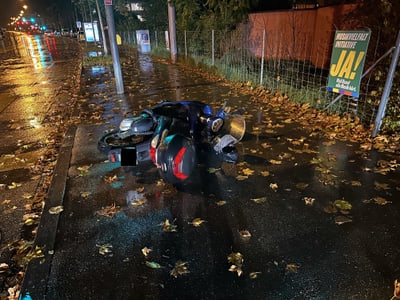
x,y
234,56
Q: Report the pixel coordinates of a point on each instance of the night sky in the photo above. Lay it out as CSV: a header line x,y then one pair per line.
x,y
11,8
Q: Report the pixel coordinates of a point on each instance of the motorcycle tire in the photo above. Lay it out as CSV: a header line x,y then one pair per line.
x,y
113,140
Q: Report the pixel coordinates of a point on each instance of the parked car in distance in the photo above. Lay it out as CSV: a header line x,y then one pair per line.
x,y
48,32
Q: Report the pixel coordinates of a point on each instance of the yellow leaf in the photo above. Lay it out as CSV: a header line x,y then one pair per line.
x,y
197,222
356,183
259,200
241,177
342,204
273,186
146,251
111,179
56,209
236,258
84,168
247,171
275,162
254,275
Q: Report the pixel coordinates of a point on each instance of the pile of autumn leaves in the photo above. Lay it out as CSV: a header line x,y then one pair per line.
x,y
346,128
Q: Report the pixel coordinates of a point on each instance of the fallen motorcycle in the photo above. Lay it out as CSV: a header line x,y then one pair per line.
x,y
175,136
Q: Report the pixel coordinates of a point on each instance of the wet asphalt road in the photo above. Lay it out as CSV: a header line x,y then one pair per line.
x,y
38,79
299,217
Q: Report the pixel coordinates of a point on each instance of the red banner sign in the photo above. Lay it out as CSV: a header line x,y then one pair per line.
x,y
107,2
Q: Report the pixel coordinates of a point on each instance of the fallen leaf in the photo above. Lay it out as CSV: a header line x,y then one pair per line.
x,y
105,249
396,291
27,196
85,194
292,268
381,186
179,269
168,227
330,208
301,185
146,251
245,234
56,209
237,269
84,168
254,275
110,179
14,185
213,170
342,220
273,186
241,177
29,222
248,171
197,222
153,265
381,200
275,162
235,258
259,200
342,204
108,211
220,203
309,201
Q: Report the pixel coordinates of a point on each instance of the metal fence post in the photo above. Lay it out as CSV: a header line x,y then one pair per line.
x,y
186,51
262,59
212,48
388,86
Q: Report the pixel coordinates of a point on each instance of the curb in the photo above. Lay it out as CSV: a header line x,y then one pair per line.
x,y
34,284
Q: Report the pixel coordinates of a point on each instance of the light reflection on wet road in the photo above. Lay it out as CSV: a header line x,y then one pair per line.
x,y
36,87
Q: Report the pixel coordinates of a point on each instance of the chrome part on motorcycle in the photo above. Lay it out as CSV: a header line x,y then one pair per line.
x,y
142,125
117,139
234,125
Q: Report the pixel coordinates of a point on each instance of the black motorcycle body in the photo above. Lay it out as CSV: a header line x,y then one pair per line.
x,y
175,136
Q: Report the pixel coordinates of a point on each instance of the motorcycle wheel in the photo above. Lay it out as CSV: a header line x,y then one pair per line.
x,y
113,140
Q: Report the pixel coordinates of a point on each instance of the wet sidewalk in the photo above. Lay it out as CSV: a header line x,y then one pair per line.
x,y
300,216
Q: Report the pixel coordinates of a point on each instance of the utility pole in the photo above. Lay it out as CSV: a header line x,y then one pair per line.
x,y
172,31
114,47
103,36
